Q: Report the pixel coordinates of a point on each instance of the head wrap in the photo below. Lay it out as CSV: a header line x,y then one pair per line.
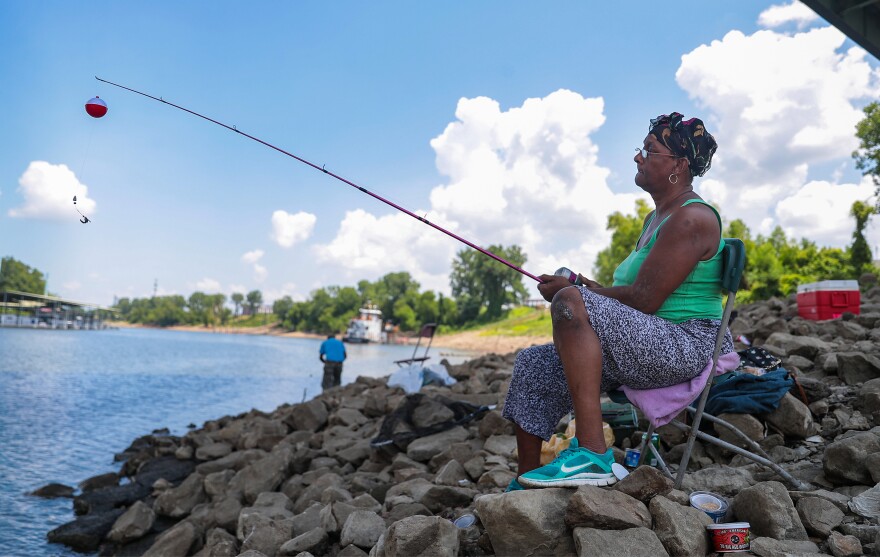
x,y
685,138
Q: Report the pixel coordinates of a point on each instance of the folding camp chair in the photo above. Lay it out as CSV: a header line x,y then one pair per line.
x,y
733,261
427,331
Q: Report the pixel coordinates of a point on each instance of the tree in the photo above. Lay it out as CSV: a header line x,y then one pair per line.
x,y
860,252
481,284
254,301
626,231
868,154
15,275
237,299
281,307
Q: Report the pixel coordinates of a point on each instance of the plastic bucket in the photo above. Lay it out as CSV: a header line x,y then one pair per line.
x,y
729,538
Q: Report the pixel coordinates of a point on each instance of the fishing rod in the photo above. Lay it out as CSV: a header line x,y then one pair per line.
x,y
340,178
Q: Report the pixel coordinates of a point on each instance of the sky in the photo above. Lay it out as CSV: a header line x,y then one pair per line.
x,y
506,122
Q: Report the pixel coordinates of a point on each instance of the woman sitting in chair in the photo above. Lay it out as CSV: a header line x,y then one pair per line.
x,y
655,327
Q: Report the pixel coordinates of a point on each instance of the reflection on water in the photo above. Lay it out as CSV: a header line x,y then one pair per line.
x,y
69,400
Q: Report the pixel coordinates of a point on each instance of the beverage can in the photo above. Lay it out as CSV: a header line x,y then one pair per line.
x,y
650,459
569,275
632,457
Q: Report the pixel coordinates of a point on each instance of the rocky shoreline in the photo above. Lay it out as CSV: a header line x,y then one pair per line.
x,y
304,479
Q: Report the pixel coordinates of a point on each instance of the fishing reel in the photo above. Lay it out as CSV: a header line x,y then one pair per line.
x,y
569,275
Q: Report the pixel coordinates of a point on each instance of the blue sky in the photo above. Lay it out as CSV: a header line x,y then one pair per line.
x,y
507,122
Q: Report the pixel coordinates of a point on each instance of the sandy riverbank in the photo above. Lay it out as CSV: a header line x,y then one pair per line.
x,y
472,341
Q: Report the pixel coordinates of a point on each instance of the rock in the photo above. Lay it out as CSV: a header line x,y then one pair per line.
x,y
528,522
644,483
315,541
805,346
262,475
308,416
424,448
856,367
493,423
634,542
792,418
768,547
166,467
352,551
174,542
819,516
264,534
426,536
867,503
110,479
746,423
307,520
107,498
86,532
768,508
213,451
723,480
844,459
53,491
219,543
844,546
133,524
234,461
217,483
452,473
362,528
501,445
594,507
681,530
431,412
179,501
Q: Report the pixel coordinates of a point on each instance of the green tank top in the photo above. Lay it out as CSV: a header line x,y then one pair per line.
x,y
698,297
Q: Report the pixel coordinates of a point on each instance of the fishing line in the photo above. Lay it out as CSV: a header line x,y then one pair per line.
x,y
340,178
82,169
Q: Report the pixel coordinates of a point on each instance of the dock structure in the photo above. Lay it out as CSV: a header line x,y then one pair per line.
x,y
35,311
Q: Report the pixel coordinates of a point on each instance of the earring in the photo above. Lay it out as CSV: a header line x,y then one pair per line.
x,y
671,176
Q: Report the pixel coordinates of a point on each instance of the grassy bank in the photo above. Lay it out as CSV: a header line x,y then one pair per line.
x,y
519,321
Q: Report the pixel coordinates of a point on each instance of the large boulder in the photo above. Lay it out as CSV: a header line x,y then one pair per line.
x,y
133,524
634,542
819,516
179,501
424,448
362,528
768,508
174,542
857,367
428,536
86,532
594,507
528,522
681,530
805,346
792,417
844,459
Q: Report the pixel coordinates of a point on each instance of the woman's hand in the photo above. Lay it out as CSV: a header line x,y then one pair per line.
x,y
550,285
588,283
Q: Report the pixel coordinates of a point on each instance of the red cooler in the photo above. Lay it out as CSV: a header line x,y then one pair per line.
x,y
828,299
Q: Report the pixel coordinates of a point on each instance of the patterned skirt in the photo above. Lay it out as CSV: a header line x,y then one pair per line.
x,y
639,350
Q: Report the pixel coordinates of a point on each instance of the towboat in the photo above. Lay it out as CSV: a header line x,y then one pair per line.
x,y
366,327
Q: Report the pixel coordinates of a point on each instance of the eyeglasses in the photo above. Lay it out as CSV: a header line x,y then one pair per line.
x,y
645,153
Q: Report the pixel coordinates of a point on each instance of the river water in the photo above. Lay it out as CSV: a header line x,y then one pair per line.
x,y
69,400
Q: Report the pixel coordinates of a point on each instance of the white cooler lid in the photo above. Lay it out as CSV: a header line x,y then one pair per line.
x,y
829,285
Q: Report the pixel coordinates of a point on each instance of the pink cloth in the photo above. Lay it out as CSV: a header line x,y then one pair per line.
x,y
661,405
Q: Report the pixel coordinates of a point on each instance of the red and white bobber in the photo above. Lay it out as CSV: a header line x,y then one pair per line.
x,y
96,108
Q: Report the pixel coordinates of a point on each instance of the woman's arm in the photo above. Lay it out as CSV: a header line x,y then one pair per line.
x,y
689,236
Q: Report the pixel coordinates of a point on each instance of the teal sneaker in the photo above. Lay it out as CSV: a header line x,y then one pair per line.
x,y
513,486
575,466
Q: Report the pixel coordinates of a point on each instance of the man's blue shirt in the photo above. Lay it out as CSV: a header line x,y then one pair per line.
x,y
333,350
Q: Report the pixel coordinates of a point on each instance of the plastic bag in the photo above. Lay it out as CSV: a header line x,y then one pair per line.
x,y
560,441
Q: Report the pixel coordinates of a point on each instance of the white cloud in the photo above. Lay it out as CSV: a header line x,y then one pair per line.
x,y
287,289
778,104
252,256
289,229
527,176
793,12
48,191
260,272
821,210
208,286
240,288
